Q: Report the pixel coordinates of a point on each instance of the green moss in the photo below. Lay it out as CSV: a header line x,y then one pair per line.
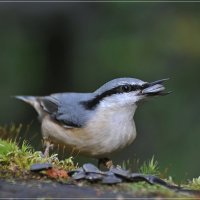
x,y
23,157
150,167
193,184
153,190
16,159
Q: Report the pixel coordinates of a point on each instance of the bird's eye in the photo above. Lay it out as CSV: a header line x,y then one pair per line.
x,y
125,88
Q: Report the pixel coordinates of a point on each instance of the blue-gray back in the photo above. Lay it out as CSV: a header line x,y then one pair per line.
x,y
66,108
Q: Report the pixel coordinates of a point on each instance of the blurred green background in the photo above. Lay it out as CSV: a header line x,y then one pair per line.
x,y
57,47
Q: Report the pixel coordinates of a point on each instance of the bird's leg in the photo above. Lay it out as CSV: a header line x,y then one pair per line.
x,y
105,162
47,145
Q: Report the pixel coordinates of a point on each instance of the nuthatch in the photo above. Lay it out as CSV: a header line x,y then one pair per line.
x,y
94,124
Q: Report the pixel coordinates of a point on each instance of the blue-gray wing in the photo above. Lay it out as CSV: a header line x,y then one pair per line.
x,y
66,108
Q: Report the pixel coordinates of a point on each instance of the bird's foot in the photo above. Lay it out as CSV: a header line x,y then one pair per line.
x,y
109,164
48,145
106,162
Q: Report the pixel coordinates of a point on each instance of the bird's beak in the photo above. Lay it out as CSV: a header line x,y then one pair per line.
x,y
154,88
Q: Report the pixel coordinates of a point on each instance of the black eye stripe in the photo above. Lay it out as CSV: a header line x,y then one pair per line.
x,y
126,88
120,89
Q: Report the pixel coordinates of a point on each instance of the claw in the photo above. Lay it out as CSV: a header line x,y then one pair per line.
x,y
105,162
48,146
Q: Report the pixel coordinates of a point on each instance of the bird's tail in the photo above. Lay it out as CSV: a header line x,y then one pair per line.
x,y
28,99
31,100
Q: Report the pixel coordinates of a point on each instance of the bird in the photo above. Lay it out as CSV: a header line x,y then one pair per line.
x,y
94,124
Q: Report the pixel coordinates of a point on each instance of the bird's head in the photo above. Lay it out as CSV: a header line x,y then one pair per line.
x,y
122,92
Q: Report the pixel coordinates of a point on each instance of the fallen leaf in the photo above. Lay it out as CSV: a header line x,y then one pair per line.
x,y
57,173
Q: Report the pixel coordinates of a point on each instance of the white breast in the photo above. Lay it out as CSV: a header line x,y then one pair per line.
x,y
110,130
